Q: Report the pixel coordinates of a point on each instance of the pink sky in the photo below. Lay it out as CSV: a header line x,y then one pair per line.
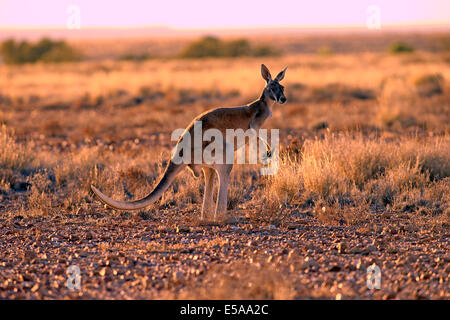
x,y
221,14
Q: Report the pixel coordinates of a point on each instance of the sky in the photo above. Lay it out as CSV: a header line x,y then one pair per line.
x,y
220,14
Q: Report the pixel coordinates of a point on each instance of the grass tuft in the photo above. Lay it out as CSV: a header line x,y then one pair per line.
x,y
14,155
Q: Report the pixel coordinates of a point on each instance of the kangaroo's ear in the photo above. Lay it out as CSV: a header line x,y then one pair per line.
x,y
280,76
265,73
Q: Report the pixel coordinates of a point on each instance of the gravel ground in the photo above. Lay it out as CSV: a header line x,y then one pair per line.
x,y
171,255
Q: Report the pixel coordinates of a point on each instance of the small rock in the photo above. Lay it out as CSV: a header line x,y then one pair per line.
x,y
335,268
104,271
182,229
252,243
309,263
356,250
177,276
341,247
369,249
293,253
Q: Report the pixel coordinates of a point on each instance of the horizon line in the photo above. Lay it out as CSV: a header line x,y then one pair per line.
x,y
443,24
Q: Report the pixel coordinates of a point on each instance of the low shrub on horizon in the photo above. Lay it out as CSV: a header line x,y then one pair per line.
x,y
45,50
400,47
214,47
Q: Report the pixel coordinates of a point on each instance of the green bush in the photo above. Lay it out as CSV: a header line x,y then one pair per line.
x,y
265,51
45,50
400,47
238,48
206,47
214,47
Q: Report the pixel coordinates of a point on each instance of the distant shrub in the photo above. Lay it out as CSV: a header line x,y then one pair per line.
x,y
214,47
396,116
45,50
237,48
206,47
135,57
400,47
51,128
325,51
429,84
265,51
443,43
338,91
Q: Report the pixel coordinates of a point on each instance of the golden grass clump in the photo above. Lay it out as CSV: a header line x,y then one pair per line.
x,y
321,176
82,167
406,176
431,155
348,170
75,174
14,155
286,184
40,200
336,163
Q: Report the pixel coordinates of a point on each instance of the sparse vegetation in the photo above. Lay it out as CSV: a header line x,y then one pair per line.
x,y
135,57
45,50
214,47
325,51
13,155
400,47
338,168
429,85
364,178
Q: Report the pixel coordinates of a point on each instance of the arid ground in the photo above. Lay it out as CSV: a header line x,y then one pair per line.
x,y
364,178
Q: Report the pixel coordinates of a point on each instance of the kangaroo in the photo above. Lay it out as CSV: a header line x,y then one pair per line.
x,y
250,116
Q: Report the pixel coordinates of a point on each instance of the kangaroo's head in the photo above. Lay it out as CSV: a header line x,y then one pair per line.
x,y
274,90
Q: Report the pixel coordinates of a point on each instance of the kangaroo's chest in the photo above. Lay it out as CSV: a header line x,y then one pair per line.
x,y
259,118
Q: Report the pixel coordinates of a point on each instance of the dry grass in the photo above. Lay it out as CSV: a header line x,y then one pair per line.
x,y
348,171
363,136
333,167
162,95
13,155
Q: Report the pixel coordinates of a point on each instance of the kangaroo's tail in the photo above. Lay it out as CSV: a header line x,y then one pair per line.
x,y
169,175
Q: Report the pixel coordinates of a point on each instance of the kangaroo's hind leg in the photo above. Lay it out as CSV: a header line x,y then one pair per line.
x,y
224,172
208,202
